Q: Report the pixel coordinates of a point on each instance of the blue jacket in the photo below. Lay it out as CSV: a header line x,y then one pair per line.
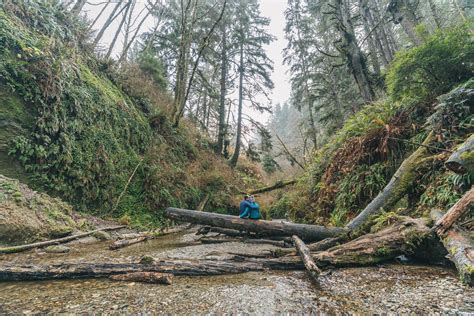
x,y
243,207
251,211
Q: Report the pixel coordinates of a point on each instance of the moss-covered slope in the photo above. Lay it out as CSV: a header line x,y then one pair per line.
x,y
79,126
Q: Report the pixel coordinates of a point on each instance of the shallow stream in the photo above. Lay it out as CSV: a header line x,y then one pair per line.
x,y
391,288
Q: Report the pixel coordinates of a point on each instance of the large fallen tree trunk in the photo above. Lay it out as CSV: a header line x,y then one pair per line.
x,y
462,160
461,207
41,244
397,188
400,238
460,248
262,227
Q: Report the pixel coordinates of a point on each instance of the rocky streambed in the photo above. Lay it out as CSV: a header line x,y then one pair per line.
x,y
391,288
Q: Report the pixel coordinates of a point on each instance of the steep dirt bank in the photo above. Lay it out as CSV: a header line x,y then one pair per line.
x,y
27,215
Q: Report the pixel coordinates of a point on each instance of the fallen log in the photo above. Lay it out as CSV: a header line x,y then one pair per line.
x,y
400,238
460,247
313,247
135,238
305,255
127,242
262,227
223,231
275,186
397,188
101,270
277,243
41,244
462,160
462,206
145,277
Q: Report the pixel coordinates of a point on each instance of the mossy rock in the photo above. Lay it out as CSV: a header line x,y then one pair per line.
x,y
60,231
101,235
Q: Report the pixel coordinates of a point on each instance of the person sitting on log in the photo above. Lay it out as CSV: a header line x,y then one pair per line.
x,y
252,211
244,205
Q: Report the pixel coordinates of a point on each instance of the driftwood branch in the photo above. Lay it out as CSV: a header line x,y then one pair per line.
x,y
55,241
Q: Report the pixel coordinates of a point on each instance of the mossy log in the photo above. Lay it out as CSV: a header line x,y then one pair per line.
x,y
41,244
145,277
462,160
262,227
455,212
460,247
305,255
398,186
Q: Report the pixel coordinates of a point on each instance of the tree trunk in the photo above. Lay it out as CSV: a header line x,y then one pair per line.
x,y
235,156
404,15
461,250
223,84
305,255
107,23
461,207
129,8
462,160
145,277
434,13
350,49
262,227
77,8
363,8
398,186
128,43
55,241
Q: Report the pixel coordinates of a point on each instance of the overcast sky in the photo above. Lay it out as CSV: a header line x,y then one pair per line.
x,y
274,9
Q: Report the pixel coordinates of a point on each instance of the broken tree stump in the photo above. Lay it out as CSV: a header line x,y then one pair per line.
x,y
145,277
262,227
460,247
462,206
305,255
462,160
41,244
